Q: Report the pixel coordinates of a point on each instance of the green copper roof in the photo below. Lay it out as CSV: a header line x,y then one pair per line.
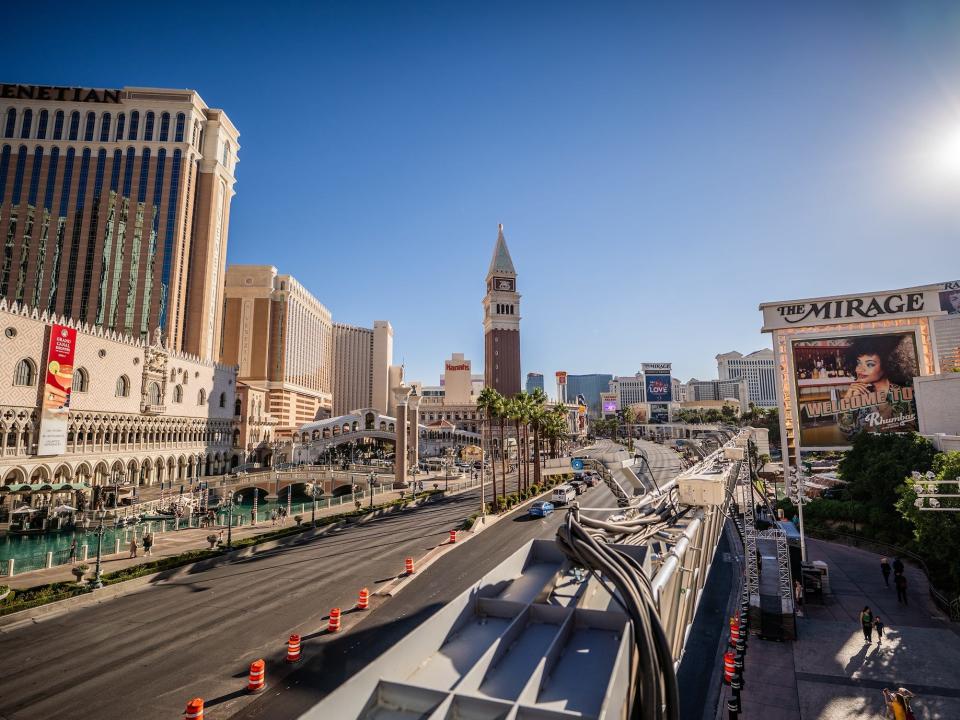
x,y
501,263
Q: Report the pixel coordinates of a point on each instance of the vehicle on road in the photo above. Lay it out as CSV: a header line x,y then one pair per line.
x,y
541,508
592,479
579,485
564,494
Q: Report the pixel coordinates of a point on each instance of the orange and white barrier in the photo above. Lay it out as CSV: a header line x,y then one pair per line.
x,y
364,602
734,631
194,709
453,536
258,676
293,649
408,566
728,666
334,625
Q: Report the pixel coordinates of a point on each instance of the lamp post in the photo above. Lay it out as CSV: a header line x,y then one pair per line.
x,y
230,502
313,509
97,581
801,498
370,479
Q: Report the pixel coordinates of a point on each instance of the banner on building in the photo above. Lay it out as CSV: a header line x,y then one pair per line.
x,y
659,388
659,413
657,368
848,384
608,403
561,377
55,407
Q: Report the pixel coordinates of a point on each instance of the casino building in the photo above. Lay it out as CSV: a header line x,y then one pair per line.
x,y
853,363
115,207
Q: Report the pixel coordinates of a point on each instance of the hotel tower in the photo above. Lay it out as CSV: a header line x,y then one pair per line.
x,y
501,323
114,208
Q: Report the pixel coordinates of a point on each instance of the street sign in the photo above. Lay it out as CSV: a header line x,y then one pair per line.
x,y
576,464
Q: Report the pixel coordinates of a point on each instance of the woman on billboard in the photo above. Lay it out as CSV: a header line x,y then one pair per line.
x,y
882,366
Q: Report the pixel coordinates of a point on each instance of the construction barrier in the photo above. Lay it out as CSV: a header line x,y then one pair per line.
x,y
364,602
258,676
334,625
734,631
293,649
408,566
453,536
194,709
728,666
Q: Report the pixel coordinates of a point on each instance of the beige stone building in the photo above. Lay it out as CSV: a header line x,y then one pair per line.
x,y
254,435
115,207
361,367
140,413
281,338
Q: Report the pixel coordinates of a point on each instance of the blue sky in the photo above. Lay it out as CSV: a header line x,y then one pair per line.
x,y
660,168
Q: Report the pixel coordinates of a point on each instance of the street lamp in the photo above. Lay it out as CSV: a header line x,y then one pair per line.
x,y
313,509
370,479
230,502
97,581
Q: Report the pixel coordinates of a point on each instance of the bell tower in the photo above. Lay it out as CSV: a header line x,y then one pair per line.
x,y
501,323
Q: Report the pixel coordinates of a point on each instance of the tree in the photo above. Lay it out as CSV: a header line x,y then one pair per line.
x,y
538,401
489,403
516,413
877,464
712,416
937,534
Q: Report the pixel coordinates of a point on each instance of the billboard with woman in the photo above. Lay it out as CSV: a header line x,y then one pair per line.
x,y
849,384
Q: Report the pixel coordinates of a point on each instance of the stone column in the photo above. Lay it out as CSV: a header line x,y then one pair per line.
x,y
413,437
401,394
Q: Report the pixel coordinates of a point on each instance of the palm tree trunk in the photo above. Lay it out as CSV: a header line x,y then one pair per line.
x,y
526,457
503,461
536,455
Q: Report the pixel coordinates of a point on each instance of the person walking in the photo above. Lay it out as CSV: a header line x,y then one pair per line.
x,y
148,545
878,626
885,569
133,547
897,566
73,550
900,581
866,622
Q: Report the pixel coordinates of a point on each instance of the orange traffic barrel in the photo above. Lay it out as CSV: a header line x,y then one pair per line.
x,y
334,625
734,631
364,602
258,676
293,649
408,566
194,709
728,666
453,536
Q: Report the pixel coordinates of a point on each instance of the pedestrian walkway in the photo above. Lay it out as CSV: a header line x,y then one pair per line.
x,y
831,673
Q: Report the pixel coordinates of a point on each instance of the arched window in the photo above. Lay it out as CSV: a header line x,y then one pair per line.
x,y
89,126
153,394
164,127
81,380
202,397
178,135
123,386
134,125
148,127
58,125
27,124
11,123
223,399
121,126
178,394
74,125
173,375
105,128
25,372
42,125
236,407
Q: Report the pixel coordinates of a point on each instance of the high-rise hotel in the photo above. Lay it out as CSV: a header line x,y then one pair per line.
x,y
114,208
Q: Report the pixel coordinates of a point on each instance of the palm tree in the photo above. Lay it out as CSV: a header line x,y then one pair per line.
x,y
489,403
538,401
513,411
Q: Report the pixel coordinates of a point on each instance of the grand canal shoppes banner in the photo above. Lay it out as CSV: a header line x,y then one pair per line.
x,y
55,408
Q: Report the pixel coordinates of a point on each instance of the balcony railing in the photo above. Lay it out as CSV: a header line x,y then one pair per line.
x,y
150,409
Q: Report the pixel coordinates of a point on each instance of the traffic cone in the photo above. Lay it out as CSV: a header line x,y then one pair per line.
x,y
194,709
364,602
408,566
293,649
728,666
258,676
334,625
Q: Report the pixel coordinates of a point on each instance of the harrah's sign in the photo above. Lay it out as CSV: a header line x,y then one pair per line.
x,y
451,367
56,92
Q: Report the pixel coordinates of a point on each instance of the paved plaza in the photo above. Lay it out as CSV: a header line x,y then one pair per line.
x,y
831,673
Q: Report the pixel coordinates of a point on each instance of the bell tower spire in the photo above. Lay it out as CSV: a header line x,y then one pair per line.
x,y
501,322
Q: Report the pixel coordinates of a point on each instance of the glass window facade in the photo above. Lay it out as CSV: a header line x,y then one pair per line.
x,y
148,127
89,126
74,125
134,125
27,123
181,119
105,127
121,126
164,126
42,125
58,125
10,126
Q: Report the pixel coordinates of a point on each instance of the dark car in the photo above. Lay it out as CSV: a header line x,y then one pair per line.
x,y
579,485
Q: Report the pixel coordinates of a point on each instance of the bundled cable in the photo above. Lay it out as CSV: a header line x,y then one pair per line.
x,y
653,691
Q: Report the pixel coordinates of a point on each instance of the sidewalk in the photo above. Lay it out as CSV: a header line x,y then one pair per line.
x,y
831,673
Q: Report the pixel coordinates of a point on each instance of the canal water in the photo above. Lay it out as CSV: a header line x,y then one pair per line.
x,y
29,551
